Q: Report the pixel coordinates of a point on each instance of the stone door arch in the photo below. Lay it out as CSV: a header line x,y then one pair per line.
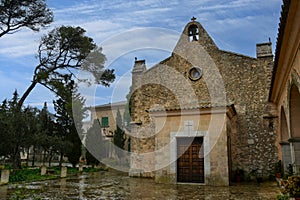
x,y
295,112
295,125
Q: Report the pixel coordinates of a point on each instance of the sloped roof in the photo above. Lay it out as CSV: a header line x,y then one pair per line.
x,y
114,104
282,24
192,107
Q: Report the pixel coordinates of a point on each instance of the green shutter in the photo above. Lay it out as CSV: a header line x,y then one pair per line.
x,y
104,121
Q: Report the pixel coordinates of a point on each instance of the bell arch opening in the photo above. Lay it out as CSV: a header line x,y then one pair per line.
x,y
193,32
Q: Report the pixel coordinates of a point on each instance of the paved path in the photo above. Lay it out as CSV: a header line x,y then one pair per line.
x,y
109,185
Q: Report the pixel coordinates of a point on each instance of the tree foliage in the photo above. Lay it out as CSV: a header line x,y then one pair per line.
x,y
70,111
30,128
18,128
16,133
128,112
4,128
31,131
46,138
15,14
62,51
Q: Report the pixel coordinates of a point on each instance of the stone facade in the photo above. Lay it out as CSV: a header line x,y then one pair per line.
x,y
226,97
285,88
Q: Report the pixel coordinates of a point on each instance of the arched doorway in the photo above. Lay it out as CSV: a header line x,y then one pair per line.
x,y
295,123
295,112
284,137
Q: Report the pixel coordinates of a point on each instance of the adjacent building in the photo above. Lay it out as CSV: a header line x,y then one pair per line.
x,y
106,114
284,92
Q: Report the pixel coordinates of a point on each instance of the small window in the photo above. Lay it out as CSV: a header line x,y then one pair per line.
x,y
195,73
104,122
193,33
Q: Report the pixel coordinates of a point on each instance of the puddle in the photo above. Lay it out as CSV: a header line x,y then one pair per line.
x,y
113,185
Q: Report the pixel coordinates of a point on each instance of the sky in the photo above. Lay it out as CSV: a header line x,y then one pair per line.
x,y
146,29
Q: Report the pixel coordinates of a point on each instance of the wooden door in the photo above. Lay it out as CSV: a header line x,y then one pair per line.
x,y
190,162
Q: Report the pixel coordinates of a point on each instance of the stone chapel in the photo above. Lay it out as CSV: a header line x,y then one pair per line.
x,y
202,115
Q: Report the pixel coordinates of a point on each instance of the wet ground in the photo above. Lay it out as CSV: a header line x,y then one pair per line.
x,y
112,185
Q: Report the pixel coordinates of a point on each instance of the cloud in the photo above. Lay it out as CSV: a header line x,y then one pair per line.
x,y
120,88
151,11
10,81
235,25
138,40
107,18
98,94
21,43
78,8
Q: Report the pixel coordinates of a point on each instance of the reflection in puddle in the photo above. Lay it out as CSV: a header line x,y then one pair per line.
x,y
81,186
3,191
113,185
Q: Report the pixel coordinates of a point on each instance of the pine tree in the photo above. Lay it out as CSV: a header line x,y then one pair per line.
x,y
128,112
94,144
4,129
32,133
119,139
69,115
14,15
16,131
46,136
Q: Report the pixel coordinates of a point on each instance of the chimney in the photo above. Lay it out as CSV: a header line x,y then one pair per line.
x,y
137,72
139,66
264,50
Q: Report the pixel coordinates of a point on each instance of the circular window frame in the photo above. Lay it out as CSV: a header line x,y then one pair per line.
x,y
191,73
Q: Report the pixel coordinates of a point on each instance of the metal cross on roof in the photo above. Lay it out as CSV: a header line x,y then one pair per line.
x,y
193,18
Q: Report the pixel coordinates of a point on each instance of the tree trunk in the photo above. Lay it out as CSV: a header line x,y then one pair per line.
x,y
28,155
50,158
44,156
16,158
61,159
4,32
33,157
26,93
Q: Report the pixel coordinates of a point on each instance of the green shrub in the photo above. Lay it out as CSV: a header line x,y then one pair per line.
x,y
291,186
27,175
22,193
282,197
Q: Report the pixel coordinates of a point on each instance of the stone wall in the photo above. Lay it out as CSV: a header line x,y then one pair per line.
x,y
142,151
247,82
